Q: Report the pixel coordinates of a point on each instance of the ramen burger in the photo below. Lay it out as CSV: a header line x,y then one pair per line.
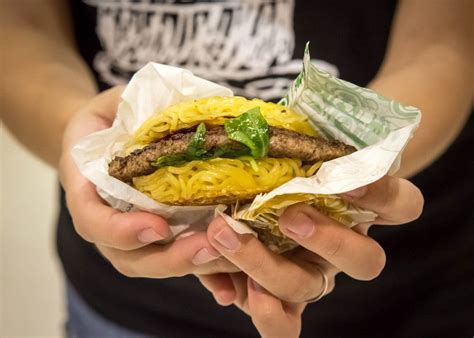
x,y
221,150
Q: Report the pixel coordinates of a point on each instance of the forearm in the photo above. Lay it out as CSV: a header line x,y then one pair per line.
x,y
429,65
440,84
44,82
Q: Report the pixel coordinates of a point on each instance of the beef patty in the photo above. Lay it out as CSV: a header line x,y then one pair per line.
x,y
283,144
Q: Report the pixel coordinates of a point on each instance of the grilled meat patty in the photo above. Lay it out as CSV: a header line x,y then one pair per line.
x,y
283,144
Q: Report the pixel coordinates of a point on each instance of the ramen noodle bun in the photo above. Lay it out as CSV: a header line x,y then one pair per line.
x,y
221,150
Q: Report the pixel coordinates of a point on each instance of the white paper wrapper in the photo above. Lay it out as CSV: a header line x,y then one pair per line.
x,y
152,88
378,127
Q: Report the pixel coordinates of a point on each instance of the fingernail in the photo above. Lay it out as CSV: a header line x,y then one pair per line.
x,y
257,287
149,236
202,257
356,193
301,225
228,239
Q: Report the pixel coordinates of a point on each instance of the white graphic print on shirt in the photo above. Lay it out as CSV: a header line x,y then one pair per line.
x,y
245,45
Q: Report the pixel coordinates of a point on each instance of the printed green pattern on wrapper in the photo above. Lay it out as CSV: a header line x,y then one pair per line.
x,y
343,111
338,110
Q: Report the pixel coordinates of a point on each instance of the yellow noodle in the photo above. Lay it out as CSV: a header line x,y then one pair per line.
x,y
214,110
311,170
218,180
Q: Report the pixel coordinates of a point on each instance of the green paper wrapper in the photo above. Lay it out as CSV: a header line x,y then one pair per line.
x,y
378,127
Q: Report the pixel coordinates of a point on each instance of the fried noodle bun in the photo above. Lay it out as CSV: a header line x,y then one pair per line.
x,y
217,180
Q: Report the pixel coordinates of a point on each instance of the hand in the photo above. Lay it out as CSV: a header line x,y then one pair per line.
x,y
125,239
271,316
329,247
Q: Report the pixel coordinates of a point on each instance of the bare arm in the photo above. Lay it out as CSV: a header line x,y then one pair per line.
x,y
45,81
429,65
49,101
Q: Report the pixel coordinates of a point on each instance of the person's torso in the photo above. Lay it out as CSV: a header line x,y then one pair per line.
x,y
255,47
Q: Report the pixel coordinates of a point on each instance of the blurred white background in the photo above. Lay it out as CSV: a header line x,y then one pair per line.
x,y
31,303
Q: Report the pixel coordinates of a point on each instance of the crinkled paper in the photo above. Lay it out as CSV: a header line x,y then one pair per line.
x,y
378,127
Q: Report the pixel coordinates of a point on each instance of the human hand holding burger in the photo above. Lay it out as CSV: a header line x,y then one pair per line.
x,y
125,238
327,247
274,289
211,151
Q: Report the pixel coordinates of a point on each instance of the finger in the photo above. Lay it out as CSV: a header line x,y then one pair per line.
x,y
362,228
270,316
106,103
97,115
395,200
239,281
98,223
280,276
330,271
93,219
171,260
221,287
302,254
357,255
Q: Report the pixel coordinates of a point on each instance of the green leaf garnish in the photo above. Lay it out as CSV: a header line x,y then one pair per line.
x,y
227,151
194,151
251,129
170,160
195,147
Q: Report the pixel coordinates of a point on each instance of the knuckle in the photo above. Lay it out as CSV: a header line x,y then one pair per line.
x,y
123,267
223,265
220,265
376,265
297,292
333,245
401,202
181,272
418,204
291,294
122,262
167,270
81,226
331,286
264,315
388,197
78,225
255,266
118,236
83,230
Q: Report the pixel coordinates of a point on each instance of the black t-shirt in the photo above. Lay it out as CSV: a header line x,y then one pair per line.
x,y
255,47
